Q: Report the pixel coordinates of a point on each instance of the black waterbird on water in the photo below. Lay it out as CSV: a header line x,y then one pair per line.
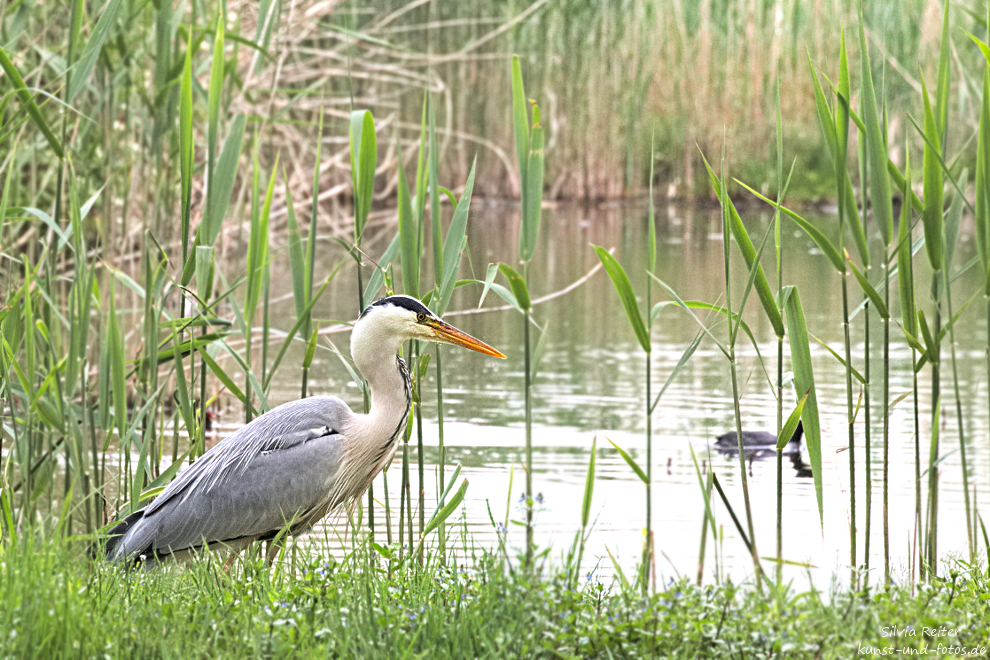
x,y
759,440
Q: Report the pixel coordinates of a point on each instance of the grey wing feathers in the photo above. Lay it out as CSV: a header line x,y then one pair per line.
x,y
266,474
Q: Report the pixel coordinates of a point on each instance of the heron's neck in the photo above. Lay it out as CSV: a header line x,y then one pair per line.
x,y
375,355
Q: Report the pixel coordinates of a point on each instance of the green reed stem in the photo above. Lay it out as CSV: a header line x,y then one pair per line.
x,y
850,413
970,531
919,540
529,444
867,438
441,532
886,431
936,414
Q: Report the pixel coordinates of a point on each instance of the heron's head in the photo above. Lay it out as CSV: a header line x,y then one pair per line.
x,y
404,317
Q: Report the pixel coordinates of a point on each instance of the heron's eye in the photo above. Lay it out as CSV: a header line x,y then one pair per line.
x,y
421,317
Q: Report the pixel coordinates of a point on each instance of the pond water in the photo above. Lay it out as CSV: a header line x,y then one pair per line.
x,y
591,385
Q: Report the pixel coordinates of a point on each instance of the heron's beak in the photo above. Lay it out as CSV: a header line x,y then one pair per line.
x,y
448,334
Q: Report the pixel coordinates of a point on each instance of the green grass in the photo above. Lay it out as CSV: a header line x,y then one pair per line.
x,y
58,603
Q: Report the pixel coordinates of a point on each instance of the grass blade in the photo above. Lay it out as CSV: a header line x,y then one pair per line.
x,y
28,101
626,295
749,254
790,426
453,245
876,148
932,167
630,462
84,65
804,381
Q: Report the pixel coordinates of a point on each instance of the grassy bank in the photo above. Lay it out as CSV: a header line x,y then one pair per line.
x,y
58,604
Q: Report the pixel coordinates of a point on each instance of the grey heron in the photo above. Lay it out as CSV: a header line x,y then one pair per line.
x,y
293,465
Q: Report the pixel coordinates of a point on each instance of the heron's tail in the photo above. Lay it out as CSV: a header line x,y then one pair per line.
x,y
116,535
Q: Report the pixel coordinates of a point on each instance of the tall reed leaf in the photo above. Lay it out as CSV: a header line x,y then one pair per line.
x,y
518,285
942,88
257,253
804,382
408,233
186,147
626,295
868,289
876,150
630,461
453,244
297,258
213,98
27,100
520,119
905,266
86,61
533,191
815,234
932,216
364,161
790,426
742,239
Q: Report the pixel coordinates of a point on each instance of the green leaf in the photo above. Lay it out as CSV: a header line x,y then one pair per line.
x,y
626,295
876,148
685,356
930,344
213,98
813,232
204,272
804,381
953,220
942,89
538,353
297,259
790,426
186,146
825,119
905,265
408,233
518,285
520,119
932,216
858,376
377,278
27,100
589,484
687,307
218,196
532,200
310,349
182,389
364,161
218,371
453,245
868,289
257,252
742,239
434,188
447,509
118,381
630,462
84,66
489,279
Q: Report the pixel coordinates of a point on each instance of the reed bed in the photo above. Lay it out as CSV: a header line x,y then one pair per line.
x,y
106,396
